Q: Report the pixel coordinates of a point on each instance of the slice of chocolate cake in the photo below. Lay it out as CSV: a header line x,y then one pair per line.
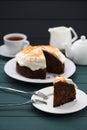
x,y
64,91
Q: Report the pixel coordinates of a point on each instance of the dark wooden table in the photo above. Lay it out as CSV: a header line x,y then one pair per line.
x,y
28,117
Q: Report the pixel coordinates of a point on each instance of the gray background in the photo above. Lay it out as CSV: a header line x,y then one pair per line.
x,y
34,17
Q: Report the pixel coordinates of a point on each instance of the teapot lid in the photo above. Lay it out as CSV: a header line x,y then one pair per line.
x,y
82,40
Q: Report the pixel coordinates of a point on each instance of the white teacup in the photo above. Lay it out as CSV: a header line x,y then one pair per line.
x,y
60,36
15,42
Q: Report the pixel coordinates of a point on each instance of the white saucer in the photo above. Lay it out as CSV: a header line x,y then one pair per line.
x,y
4,51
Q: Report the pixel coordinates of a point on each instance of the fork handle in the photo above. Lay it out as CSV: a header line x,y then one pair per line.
x,y
14,90
40,94
15,104
24,103
11,89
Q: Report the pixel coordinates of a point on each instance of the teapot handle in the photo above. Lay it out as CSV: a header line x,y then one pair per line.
x,y
74,33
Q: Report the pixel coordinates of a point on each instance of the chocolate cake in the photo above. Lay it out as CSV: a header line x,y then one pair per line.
x,y
64,91
34,61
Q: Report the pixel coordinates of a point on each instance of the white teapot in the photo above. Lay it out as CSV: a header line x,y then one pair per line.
x,y
78,51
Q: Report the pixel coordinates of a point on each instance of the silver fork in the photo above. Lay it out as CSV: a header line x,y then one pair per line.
x,y
23,103
38,93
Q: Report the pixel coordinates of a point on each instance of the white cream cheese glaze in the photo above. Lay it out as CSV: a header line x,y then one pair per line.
x,y
64,79
33,56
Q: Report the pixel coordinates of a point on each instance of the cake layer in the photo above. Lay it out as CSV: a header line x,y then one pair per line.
x,y
25,71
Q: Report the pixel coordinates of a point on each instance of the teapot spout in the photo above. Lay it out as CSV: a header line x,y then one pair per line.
x,y
68,51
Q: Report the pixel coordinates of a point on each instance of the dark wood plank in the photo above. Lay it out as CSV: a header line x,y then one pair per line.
x,y
47,122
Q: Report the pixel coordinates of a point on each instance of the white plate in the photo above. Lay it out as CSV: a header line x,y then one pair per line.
x,y
78,104
10,70
4,51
